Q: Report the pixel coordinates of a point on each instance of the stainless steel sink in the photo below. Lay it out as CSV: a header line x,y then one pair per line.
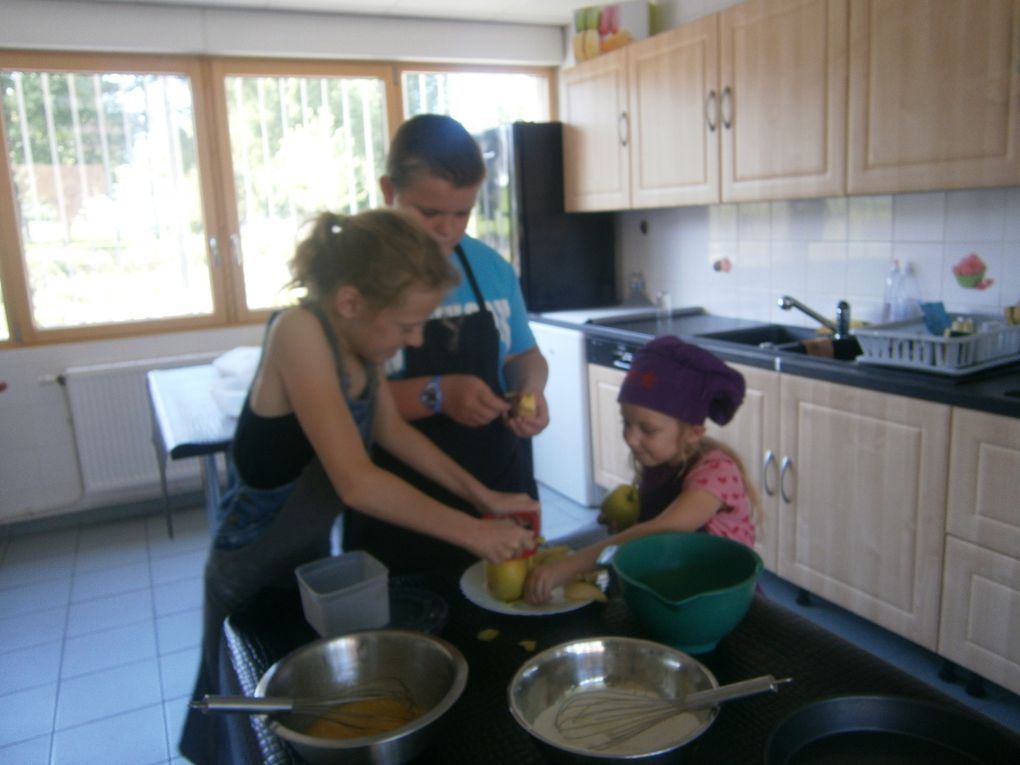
x,y
788,339
764,335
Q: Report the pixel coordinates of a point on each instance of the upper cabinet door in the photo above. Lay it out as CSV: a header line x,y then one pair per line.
x,y
934,94
596,134
674,111
783,66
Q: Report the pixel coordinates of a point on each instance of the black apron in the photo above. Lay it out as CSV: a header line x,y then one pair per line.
x,y
491,453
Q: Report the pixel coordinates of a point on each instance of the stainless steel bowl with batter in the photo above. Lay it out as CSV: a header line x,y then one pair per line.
x,y
433,671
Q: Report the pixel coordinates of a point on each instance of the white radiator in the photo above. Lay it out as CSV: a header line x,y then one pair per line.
x,y
109,406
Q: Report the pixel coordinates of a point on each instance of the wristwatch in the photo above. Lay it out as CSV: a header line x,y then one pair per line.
x,y
432,395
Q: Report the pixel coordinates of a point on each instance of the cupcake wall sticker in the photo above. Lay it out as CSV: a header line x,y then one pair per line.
x,y
970,273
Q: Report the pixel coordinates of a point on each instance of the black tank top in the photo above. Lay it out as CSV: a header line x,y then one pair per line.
x,y
269,452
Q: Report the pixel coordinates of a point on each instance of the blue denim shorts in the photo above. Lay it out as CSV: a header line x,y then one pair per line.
x,y
245,512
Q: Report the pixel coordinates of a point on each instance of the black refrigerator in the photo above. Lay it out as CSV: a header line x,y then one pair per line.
x,y
564,260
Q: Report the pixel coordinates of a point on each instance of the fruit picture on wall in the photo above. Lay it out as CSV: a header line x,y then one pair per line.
x,y
970,273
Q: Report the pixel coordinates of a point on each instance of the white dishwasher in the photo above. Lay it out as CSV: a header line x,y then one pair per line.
x,y
562,452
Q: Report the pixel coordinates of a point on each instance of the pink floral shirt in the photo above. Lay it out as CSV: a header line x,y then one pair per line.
x,y
718,474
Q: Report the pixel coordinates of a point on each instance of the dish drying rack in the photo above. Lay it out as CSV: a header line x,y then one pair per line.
x,y
909,345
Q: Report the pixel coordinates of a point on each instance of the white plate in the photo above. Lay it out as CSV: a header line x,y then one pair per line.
x,y
472,584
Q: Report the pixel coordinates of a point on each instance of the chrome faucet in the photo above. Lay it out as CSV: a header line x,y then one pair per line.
x,y
840,327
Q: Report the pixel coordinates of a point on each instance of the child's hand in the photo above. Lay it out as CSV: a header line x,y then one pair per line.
x,y
545,578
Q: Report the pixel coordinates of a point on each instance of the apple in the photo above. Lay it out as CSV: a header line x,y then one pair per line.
x,y
506,580
621,507
526,405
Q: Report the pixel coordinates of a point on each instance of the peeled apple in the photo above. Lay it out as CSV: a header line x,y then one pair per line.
x,y
505,580
526,405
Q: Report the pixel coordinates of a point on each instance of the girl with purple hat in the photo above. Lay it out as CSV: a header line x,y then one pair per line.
x,y
687,481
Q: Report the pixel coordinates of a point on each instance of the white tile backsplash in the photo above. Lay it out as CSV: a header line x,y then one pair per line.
x,y
919,217
976,216
869,219
825,250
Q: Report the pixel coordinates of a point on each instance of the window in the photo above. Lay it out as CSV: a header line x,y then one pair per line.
x,y
105,178
148,193
298,144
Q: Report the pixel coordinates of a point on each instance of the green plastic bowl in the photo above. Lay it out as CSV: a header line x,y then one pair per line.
x,y
688,590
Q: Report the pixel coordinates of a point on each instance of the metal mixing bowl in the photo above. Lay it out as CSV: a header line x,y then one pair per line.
x,y
433,670
545,680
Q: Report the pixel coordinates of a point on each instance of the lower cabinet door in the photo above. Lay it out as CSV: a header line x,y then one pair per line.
x,y
981,612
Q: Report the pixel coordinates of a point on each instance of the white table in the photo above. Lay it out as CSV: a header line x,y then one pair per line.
x,y
187,422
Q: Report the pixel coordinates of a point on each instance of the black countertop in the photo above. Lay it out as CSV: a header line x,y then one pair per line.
x,y
479,728
996,391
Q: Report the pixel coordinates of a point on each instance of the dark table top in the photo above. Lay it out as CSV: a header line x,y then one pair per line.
x,y
770,640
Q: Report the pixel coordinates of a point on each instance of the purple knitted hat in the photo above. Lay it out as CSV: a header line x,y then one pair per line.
x,y
683,381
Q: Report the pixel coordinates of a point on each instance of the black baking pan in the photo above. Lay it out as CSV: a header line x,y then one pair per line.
x,y
887,730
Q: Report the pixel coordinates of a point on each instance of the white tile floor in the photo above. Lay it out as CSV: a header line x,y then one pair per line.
x,y
100,624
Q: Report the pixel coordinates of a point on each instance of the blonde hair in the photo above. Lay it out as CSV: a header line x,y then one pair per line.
x,y
379,252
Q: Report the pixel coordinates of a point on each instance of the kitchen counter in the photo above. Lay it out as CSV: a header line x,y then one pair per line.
x,y
479,728
995,390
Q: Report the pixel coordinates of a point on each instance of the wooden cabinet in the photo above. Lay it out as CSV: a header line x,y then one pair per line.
x,y
783,99
745,104
753,434
981,583
840,517
673,101
636,132
862,521
610,455
934,100
596,159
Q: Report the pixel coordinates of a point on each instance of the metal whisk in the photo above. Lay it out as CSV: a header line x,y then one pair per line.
x,y
612,716
368,706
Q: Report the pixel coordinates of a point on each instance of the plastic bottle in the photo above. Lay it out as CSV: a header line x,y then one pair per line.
x,y
637,295
901,300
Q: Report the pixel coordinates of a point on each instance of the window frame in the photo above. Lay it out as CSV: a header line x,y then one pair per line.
x,y
207,75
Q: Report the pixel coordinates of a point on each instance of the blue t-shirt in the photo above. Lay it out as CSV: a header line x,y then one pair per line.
x,y
502,292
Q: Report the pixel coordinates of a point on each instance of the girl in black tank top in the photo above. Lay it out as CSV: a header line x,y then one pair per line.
x,y
372,280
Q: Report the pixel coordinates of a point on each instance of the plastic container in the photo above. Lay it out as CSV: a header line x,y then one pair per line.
x,y
344,593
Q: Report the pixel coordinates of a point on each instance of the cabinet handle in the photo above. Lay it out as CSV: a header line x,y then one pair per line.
x,y
784,468
726,108
770,462
235,246
624,128
712,110
214,251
